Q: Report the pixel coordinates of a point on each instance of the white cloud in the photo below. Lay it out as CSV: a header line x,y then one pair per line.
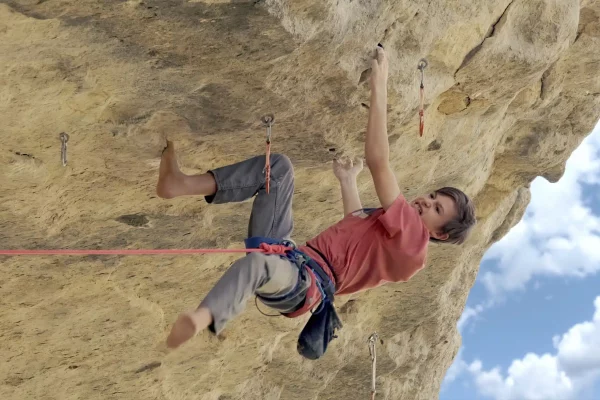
x,y
468,314
531,378
459,366
456,369
579,349
559,235
564,375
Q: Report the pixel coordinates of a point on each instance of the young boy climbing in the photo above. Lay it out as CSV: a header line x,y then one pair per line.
x,y
367,248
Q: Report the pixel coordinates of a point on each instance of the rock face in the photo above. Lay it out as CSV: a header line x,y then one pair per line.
x,y
512,88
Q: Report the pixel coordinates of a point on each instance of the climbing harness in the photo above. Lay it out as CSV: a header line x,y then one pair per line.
x,y
289,251
267,121
421,66
64,138
372,342
320,329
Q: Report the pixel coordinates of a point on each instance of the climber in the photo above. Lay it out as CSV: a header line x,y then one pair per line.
x,y
367,248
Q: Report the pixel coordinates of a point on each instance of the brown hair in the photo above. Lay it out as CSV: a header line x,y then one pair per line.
x,y
459,228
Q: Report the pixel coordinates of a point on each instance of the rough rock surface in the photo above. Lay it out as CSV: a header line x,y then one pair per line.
x,y
512,87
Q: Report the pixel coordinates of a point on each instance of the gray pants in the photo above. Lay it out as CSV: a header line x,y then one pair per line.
x,y
269,276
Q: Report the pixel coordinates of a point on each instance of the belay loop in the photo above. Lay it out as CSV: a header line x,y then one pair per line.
x,y
421,66
268,120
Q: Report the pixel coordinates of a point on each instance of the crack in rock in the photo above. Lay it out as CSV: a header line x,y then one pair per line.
x,y
490,33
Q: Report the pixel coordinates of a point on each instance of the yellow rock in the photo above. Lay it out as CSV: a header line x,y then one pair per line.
x,y
511,89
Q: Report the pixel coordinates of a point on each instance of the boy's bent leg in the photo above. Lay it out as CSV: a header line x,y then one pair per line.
x,y
266,275
232,183
271,213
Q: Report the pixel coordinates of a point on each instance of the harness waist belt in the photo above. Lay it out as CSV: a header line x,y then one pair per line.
x,y
324,259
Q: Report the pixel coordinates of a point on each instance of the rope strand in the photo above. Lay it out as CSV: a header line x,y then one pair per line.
x,y
264,248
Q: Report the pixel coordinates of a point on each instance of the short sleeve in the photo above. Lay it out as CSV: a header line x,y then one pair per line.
x,y
402,219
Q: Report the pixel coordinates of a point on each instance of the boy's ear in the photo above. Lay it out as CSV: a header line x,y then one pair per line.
x,y
440,235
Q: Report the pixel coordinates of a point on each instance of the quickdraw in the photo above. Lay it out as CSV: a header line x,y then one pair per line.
x,y
421,66
64,138
267,121
372,342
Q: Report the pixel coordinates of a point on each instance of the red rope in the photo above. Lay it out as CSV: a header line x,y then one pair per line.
x,y
264,248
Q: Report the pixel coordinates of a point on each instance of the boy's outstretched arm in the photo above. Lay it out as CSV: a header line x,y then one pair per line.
x,y
377,149
346,171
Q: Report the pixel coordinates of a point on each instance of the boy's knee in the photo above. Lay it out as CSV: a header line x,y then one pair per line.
x,y
281,165
255,261
255,265
251,268
255,258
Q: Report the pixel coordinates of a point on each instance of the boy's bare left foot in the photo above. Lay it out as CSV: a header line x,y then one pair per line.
x,y
188,325
183,330
170,178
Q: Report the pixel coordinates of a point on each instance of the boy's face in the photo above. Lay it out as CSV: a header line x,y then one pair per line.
x,y
436,210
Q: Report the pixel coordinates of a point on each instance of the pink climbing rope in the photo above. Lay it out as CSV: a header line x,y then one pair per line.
x,y
264,248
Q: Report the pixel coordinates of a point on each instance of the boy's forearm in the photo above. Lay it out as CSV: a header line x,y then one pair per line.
x,y
377,148
350,196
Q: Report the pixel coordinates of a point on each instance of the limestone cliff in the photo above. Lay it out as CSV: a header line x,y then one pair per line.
x,y
512,88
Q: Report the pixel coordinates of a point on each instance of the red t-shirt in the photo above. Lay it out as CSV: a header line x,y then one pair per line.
x,y
371,247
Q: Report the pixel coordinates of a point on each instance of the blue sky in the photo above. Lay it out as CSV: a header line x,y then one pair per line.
x,y
531,327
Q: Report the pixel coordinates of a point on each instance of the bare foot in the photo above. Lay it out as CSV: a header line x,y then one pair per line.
x,y
188,325
183,330
169,177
